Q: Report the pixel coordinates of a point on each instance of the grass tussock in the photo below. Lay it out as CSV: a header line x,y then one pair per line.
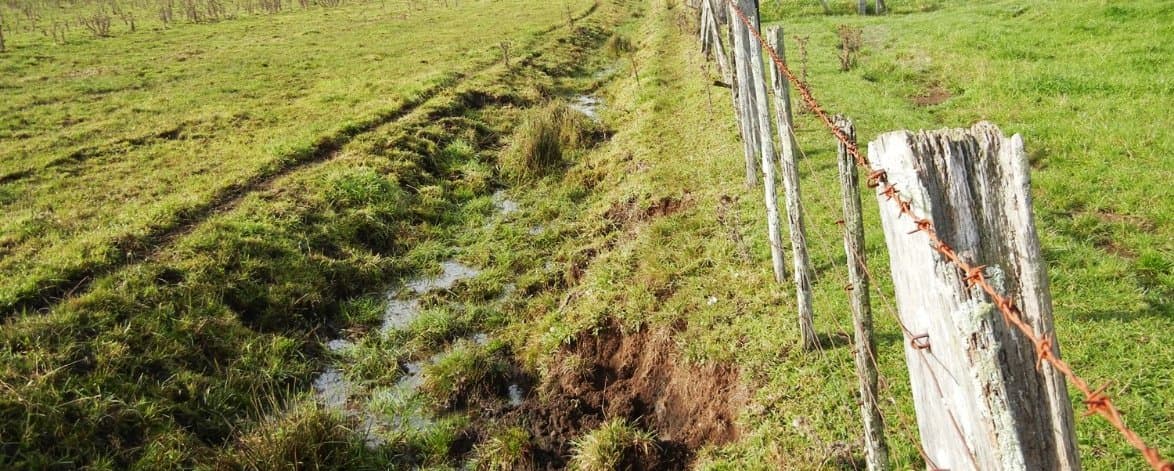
x,y
506,450
607,447
544,141
618,45
306,437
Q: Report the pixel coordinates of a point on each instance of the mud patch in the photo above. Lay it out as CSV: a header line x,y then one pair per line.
x,y
934,94
640,377
628,212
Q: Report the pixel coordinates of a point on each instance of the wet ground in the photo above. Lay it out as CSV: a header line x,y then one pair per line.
x,y
407,409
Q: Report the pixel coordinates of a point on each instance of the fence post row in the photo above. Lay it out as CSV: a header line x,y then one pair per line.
x,y
876,449
981,402
756,127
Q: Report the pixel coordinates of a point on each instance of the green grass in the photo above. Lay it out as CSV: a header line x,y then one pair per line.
x,y
604,448
110,144
185,358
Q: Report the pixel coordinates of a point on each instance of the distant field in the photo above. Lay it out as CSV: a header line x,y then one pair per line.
x,y
106,144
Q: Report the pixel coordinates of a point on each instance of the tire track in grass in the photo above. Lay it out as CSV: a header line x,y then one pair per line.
x,y
50,293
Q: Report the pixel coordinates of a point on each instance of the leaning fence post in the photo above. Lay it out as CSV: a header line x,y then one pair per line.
x,y
788,161
981,400
875,448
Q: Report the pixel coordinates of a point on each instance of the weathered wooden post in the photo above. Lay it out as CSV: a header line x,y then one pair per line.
x,y
880,6
981,400
744,97
875,447
748,55
788,161
715,44
862,7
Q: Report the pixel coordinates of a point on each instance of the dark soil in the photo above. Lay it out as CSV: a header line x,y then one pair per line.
x,y
934,94
638,376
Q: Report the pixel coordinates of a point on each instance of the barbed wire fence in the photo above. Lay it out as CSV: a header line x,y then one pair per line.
x,y
971,419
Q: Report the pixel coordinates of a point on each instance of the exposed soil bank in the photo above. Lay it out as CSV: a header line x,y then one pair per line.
x,y
638,376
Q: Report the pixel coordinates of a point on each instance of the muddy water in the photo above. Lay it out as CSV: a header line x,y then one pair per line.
x,y
401,312
587,104
400,407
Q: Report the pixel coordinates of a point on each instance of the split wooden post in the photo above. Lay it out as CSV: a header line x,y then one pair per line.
x,y
981,401
744,97
788,161
875,447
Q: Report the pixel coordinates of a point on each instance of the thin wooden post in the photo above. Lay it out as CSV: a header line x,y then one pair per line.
x,y
703,28
788,161
876,450
880,7
744,98
715,44
862,7
749,54
981,401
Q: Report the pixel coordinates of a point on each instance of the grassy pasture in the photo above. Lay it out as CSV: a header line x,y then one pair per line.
x,y
110,143
182,358
185,359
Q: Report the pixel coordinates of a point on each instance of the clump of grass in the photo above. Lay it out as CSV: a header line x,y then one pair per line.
x,y
466,368
605,448
543,140
307,436
505,450
618,45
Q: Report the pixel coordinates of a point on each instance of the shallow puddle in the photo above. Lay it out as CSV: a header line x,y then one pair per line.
x,y
588,105
401,312
504,204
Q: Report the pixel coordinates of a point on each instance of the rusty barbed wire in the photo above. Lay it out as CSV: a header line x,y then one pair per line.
x,y
1096,400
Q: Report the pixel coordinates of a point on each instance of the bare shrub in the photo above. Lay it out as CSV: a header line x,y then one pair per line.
x,y
166,11
98,23
851,39
802,42
214,10
191,10
58,31
271,6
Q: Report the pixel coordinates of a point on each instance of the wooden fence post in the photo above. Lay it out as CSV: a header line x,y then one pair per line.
x,y
715,43
748,54
862,7
744,97
875,448
880,6
981,402
788,161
